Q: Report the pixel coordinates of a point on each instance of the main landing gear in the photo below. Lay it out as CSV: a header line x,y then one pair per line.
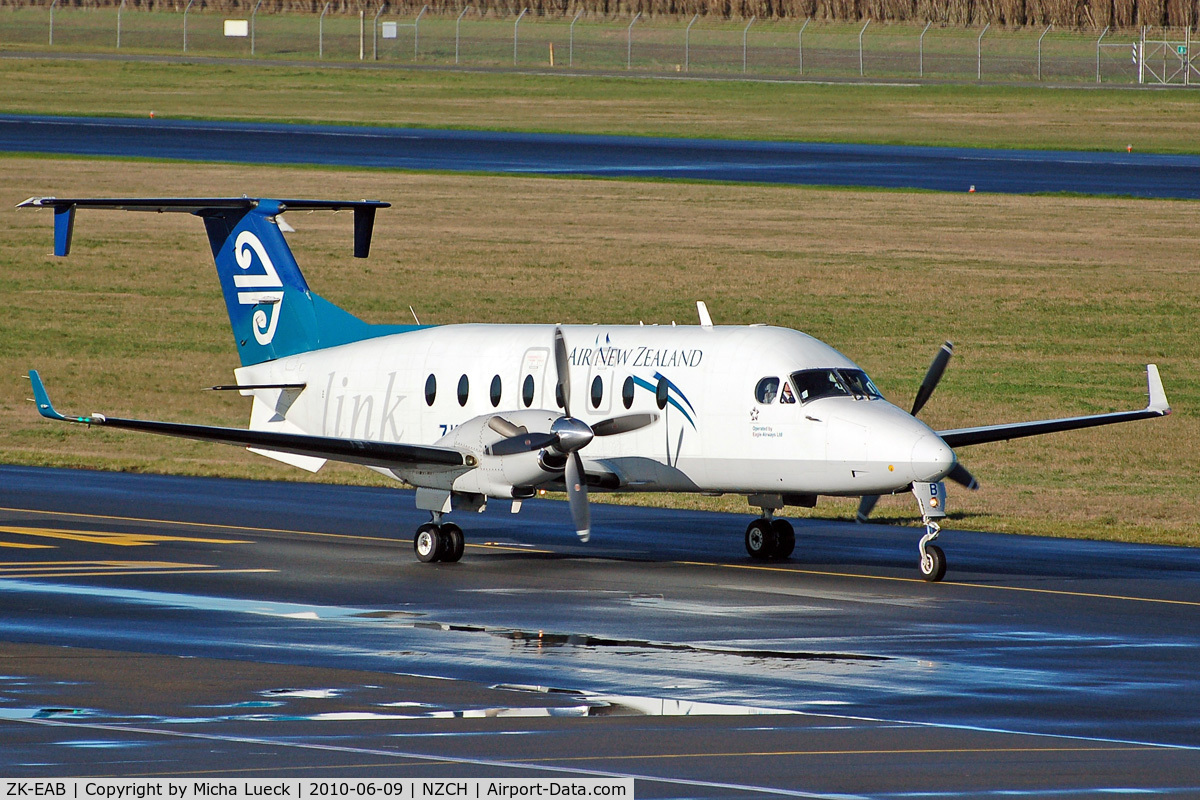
x,y
439,541
769,539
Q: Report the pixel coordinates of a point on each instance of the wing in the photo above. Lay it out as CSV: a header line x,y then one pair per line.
x,y
355,451
1157,407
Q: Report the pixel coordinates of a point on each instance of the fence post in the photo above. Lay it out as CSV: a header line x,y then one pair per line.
x,y
744,32
185,13
979,52
119,23
375,32
253,14
457,22
321,32
515,24
362,35
52,5
800,43
921,51
1098,41
570,46
417,30
629,41
1142,58
687,45
860,48
1043,36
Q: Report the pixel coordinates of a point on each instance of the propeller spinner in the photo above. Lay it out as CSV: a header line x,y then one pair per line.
x,y
567,436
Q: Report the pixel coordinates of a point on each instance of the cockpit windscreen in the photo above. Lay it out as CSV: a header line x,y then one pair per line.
x,y
813,384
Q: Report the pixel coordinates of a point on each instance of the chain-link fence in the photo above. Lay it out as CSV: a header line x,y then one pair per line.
x,y
696,45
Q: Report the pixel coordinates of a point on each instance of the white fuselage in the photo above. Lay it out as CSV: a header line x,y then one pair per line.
x,y
713,435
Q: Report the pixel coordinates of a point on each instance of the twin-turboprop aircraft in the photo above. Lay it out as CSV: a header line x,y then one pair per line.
x,y
468,413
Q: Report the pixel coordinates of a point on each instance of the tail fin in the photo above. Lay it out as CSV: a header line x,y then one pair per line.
x,y
271,309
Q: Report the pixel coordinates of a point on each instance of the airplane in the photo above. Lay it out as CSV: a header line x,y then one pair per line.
x,y
468,413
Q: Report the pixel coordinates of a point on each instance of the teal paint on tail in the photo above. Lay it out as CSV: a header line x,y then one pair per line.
x,y
273,312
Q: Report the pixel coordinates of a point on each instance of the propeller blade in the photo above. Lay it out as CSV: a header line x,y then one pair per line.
x,y
624,424
562,363
932,377
523,443
577,495
866,506
505,428
961,476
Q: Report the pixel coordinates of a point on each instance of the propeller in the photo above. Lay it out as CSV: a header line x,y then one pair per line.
x,y
933,376
567,436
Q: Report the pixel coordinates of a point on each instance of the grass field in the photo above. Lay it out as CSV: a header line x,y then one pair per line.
x,y
972,116
1054,304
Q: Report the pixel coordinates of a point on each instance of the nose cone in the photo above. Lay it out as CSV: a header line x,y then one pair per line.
x,y
932,459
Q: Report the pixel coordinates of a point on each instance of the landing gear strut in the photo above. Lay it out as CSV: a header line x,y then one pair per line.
x,y
439,541
932,499
769,539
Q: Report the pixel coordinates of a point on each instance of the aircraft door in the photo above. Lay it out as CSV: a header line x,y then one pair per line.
x,y
530,381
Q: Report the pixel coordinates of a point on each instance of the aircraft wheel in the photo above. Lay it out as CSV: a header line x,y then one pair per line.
x,y
428,543
453,542
933,563
785,538
761,540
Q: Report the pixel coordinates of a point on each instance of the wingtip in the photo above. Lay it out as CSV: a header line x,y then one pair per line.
x,y
1158,395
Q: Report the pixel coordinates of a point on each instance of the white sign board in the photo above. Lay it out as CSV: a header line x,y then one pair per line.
x,y
389,30
237,27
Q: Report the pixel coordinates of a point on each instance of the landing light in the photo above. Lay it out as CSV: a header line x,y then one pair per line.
x,y
933,502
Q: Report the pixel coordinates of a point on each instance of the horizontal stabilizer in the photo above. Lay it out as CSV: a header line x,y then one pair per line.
x,y
64,211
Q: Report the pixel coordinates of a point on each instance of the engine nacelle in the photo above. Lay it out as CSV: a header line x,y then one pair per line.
x,y
503,476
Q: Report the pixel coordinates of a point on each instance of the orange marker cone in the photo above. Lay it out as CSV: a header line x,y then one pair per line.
x,y
971,190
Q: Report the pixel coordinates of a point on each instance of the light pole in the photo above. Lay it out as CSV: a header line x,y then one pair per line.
x,y
800,43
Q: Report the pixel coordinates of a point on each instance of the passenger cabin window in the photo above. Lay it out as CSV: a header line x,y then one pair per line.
x,y
496,388
813,384
597,391
430,390
766,390
464,389
627,392
527,391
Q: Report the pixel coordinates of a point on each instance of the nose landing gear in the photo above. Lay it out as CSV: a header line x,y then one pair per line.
x,y
931,497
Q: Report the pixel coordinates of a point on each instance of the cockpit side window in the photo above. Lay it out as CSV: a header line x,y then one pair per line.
x,y
766,390
787,396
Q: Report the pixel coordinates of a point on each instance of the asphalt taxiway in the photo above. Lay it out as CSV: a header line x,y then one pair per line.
x,y
155,625
804,163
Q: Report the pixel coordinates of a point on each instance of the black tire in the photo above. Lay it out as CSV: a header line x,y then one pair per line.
x,y
933,566
785,538
428,543
761,541
453,543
